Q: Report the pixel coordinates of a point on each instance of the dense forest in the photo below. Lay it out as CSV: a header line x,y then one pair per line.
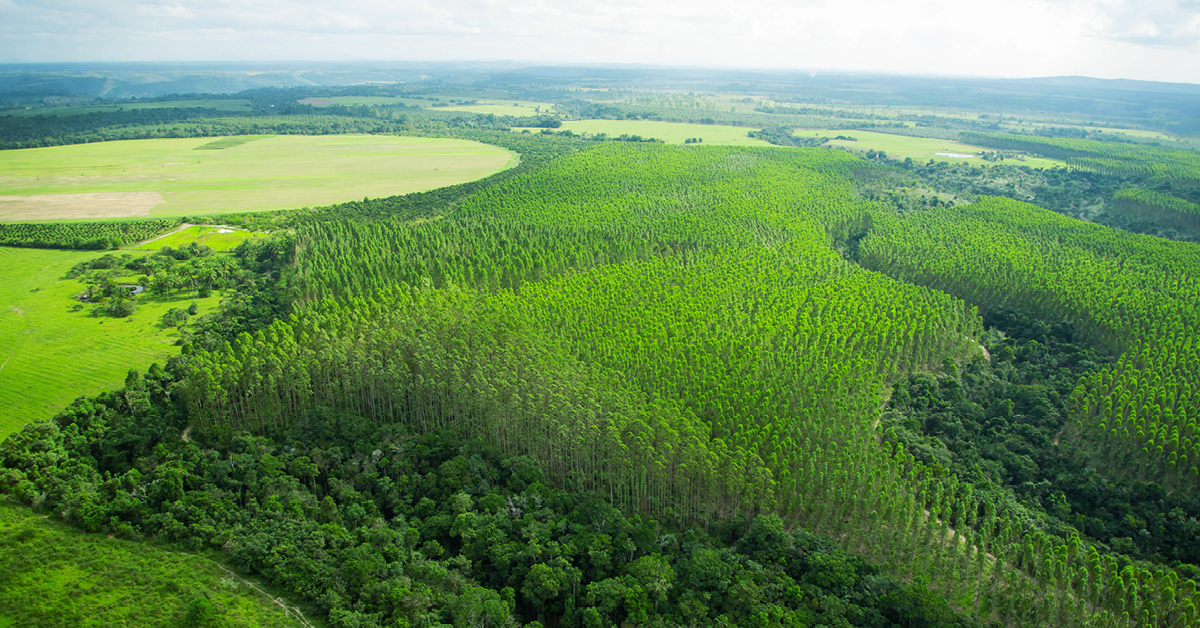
x,y
626,383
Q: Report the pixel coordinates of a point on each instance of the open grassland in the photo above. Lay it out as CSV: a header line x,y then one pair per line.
x,y
919,148
497,107
502,108
54,575
220,104
218,238
364,100
669,132
51,352
170,178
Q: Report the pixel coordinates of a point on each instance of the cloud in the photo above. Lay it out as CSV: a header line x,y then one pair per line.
x,y
163,10
1151,22
1156,39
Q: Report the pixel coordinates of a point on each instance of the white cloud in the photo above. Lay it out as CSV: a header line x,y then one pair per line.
x,y
1151,22
164,10
1153,39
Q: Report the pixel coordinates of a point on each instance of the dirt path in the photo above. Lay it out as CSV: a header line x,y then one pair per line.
x,y
186,225
19,344
987,356
293,612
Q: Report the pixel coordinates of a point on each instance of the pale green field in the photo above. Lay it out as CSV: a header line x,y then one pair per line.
x,y
365,100
484,106
168,178
50,355
54,575
502,108
669,132
215,237
919,148
219,104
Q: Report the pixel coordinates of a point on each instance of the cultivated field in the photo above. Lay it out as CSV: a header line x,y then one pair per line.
x,y
51,352
182,177
54,575
919,148
669,132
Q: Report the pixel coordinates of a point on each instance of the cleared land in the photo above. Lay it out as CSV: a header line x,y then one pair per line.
x,y
75,206
268,173
218,238
919,148
51,352
669,132
54,575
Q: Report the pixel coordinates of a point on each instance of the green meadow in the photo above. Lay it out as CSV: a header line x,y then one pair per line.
x,y
218,238
52,350
669,132
919,148
496,107
54,575
187,177
502,108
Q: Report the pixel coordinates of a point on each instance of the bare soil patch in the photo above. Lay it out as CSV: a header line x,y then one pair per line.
x,y
74,206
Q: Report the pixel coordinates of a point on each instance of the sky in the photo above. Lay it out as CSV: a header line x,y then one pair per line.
x,y
1142,39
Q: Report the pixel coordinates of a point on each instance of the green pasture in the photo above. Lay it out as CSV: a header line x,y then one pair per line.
x,y
74,110
495,107
669,132
919,148
54,575
502,108
170,178
365,100
216,237
52,350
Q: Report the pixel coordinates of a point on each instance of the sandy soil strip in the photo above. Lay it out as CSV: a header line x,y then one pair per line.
x,y
75,206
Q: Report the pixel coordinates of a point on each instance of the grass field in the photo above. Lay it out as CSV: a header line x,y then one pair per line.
x,y
49,354
365,100
497,107
170,178
218,104
669,132
218,238
919,148
54,575
502,108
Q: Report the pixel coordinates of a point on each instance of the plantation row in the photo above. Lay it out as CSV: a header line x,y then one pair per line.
x,y
82,235
1163,208
1138,295
697,350
1150,198
1112,158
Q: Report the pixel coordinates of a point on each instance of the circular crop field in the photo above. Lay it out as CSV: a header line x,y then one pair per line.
x,y
189,177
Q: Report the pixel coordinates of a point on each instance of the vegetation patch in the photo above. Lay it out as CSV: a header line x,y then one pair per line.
x,y
669,132
229,142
